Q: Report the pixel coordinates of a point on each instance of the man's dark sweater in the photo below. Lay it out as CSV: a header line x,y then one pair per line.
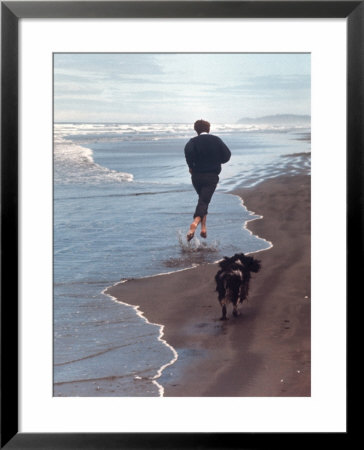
x,y
205,154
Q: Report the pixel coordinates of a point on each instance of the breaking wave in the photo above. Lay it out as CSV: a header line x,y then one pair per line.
x,y
75,164
119,132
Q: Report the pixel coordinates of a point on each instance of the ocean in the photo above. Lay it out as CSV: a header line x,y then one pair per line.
x,y
123,202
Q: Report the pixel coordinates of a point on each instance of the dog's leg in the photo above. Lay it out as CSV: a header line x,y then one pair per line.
x,y
235,311
223,309
223,317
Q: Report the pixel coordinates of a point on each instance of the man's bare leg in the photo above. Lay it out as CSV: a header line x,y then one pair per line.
x,y
203,227
193,227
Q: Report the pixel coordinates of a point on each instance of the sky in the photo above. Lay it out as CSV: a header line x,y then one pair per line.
x,y
179,88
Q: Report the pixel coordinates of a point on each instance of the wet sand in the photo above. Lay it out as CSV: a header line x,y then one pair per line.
x,y
266,350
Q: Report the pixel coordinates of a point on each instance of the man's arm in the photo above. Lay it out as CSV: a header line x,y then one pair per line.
x,y
189,154
225,153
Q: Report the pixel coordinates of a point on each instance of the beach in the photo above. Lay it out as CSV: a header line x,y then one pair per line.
x,y
122,201
265,351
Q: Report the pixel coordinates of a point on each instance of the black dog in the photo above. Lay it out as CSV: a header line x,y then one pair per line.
x,y
232,280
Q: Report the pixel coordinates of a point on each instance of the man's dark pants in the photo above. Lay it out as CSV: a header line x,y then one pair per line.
x,y
205,185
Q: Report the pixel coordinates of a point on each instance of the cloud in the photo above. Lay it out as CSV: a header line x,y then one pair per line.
x,y
105,65
270,83
168,87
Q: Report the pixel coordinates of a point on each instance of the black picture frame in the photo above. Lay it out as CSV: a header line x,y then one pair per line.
x,y
11,12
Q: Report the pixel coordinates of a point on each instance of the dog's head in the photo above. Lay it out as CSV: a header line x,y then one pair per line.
x,y
248,262
240,262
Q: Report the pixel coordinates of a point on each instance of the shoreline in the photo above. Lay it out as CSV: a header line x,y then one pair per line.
x,y
160,337
265,351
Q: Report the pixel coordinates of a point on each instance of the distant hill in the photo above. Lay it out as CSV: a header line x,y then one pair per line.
x,y
278,119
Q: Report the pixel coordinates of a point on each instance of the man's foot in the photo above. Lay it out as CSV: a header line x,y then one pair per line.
x,y
193,227
190,235
203,234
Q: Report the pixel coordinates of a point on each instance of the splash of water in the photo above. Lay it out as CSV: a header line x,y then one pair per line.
x,y
195,245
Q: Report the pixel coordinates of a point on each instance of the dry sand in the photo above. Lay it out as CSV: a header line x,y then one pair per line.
x,y
265,351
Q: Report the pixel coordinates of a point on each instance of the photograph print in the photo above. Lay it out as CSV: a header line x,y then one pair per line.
x,y
181,225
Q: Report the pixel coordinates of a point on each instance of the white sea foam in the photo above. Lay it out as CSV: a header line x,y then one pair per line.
x,y
90,132
195,245
160,338
75,164
245,226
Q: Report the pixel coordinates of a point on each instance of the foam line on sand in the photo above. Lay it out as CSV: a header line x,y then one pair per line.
x,y
160,338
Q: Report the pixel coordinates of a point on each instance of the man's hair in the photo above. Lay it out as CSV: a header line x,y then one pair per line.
x,y
201,125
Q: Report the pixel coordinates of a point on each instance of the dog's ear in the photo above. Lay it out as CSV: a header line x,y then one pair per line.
x,y
220,284
254,265
225,262
217,276
251,264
